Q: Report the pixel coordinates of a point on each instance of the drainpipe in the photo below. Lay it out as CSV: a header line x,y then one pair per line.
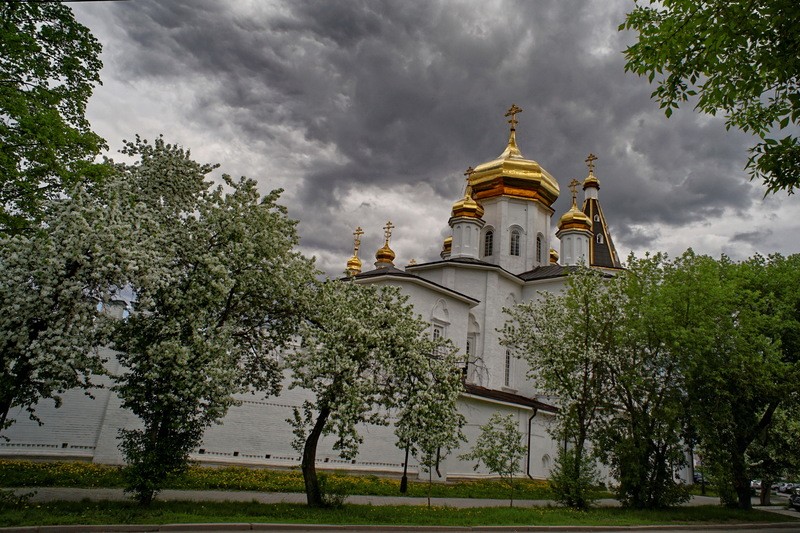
x,y
530,425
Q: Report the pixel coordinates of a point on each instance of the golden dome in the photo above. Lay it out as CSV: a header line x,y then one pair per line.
x,y
385,254
513,175
448,244
553,256
354,265
591,180
467,207
574,219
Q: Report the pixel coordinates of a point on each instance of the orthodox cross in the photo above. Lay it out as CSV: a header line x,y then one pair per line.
x,y
590,162
357,240
387,230
573,186
468,174
512,112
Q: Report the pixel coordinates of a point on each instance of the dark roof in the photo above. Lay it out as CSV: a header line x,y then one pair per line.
x,y
463,260
547,272
396,272
508,397
602,254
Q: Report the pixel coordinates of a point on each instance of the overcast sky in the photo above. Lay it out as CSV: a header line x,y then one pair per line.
x,y
368,111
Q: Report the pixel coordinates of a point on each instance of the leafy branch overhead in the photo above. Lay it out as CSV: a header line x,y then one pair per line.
x,y
741,59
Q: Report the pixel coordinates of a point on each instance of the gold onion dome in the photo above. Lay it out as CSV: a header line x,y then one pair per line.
x,y
354,264
553,256
510,174
574,219
591,180
448,244
385,255
467,207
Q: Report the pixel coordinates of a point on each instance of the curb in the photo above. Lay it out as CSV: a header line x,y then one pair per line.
x,y
146,528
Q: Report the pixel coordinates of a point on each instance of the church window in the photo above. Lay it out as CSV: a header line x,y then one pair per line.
x,y
597,218
515,242
488,243
538,248
507,373
599,238
438,333
470,354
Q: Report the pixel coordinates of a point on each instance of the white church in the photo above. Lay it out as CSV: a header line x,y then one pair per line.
x,y
500,253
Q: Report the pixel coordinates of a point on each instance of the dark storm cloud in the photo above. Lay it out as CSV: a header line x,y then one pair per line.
x,y
756,238
414,92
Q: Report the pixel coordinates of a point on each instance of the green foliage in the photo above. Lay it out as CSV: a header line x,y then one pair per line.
x,y
565,340
499,447
736,327
366,354
741,59
219,290
574,479
641,438
49,64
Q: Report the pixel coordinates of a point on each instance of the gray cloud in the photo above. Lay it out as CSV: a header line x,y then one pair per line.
x,y
347,96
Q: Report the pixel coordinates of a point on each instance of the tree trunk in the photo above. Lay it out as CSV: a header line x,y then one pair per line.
x,y
313,493
404,479
766,484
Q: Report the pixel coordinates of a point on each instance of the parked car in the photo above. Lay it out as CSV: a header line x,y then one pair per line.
x,y
794,498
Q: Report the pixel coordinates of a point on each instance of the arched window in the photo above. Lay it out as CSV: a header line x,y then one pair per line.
x,y
538,248
515,242
488,243
597,218
599,238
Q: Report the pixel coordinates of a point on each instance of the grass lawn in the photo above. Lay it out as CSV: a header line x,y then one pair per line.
x,y
15,473
87,512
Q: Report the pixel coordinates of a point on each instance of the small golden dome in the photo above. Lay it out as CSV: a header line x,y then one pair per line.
x,y
385,254
574,219
591,180
354,265
553,256
448,244
467,207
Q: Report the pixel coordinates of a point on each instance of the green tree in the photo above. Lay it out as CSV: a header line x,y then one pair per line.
x,y
737,327
741,59
499,447
774,454
49,64
640,438
564,340
219,291
366,355
52,283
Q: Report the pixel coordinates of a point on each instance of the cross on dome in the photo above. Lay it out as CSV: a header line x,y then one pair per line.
x,y
357,239
590,162
573,186
387,230
512,112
